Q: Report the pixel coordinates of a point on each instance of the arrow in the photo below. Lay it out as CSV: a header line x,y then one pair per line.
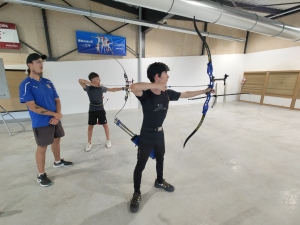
x,y
221,95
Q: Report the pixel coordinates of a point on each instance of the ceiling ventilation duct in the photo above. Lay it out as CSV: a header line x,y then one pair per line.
x,y
217,13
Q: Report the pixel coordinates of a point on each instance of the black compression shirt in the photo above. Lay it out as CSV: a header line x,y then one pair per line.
x,y
155,108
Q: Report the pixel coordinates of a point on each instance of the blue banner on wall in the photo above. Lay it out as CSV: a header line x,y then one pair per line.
x,y
105,44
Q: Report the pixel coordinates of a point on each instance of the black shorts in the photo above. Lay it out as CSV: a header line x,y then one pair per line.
x,y
97,117
45,135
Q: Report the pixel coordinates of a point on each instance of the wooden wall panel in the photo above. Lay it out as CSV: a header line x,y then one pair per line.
x,y
254,82
282,84
14,78
262,97
296,94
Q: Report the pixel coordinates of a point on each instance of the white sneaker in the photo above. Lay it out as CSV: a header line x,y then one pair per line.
x,y
108,143
88,147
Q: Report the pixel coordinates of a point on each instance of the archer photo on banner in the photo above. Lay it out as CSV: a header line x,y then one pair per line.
x,y
105,44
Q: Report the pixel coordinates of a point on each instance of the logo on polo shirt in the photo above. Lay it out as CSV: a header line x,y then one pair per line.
x,y
48,85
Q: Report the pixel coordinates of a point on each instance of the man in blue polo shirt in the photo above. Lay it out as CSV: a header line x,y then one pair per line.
x,y
44,108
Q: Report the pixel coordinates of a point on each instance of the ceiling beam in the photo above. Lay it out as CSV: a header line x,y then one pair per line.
x,y
286,12
286,3
233,3
4,4
249,7
153,16
118,5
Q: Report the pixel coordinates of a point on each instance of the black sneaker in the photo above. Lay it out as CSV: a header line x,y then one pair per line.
x,y
62,163
134,202
164,185
44,180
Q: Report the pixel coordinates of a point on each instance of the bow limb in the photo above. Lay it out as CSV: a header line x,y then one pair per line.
x,y
127,90
127,84
211,83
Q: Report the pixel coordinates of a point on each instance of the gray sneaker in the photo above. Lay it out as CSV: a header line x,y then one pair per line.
x,y
134,202
164,185
44,180
62,163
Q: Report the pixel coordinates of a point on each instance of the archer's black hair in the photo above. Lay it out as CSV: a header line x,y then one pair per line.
x,y
156,68
93,75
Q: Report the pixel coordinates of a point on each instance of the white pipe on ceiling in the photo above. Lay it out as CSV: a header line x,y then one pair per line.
x,y
214,12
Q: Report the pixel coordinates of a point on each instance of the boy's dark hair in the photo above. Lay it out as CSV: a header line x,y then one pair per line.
x,y
93,75
156,68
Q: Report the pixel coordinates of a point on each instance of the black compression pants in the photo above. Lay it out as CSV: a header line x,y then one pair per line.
x,y
142,158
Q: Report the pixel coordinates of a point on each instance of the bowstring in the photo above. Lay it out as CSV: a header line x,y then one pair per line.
x,y
176,123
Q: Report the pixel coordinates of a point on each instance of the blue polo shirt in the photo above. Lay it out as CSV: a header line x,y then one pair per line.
x,y
43,93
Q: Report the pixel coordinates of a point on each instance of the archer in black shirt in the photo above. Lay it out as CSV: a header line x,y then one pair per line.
x,y
154,98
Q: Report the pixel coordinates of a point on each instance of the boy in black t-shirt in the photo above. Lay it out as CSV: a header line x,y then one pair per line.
x,y
154,98
97,114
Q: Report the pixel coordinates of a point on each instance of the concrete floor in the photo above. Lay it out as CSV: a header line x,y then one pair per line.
x,y
241,167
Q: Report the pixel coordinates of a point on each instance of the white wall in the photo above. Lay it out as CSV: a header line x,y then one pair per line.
x,y
273,60
183,71
65,77
189,70
281,59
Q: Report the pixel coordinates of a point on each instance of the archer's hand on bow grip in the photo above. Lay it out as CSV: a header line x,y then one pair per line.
x,y
209,90
205,106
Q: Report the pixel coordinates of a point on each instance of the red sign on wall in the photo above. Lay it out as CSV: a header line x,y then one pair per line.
x,y
8,36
